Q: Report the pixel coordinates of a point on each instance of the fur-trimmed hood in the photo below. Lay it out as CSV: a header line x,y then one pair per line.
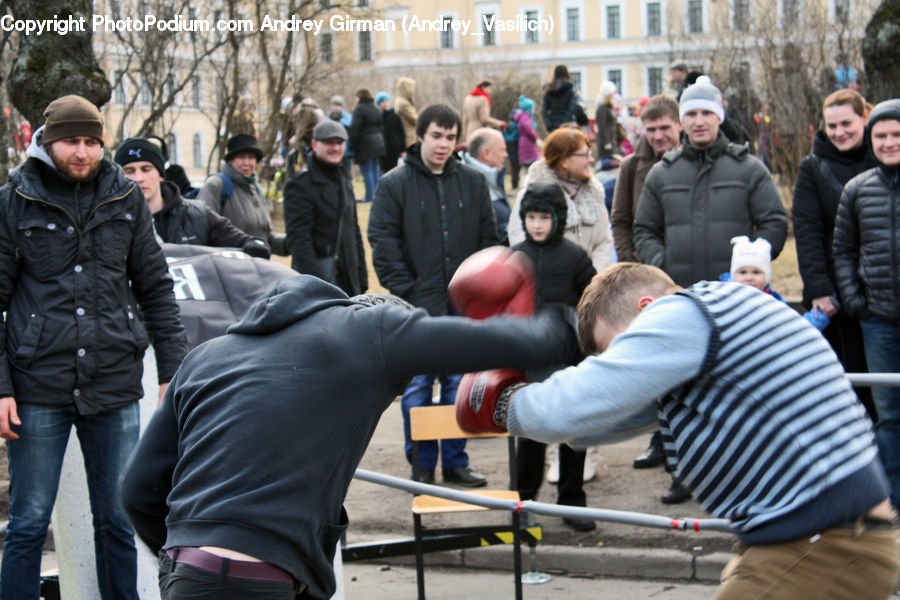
x,y
590,203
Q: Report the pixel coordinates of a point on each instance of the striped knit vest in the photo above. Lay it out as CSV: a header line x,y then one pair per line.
x,y
770,421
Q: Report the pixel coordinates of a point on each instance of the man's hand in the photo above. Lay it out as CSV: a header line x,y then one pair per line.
x,y
8,417
482,399
825,305
162,392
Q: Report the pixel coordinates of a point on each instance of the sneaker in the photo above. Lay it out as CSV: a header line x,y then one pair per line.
x,y
676,495
553,462
590,464
464,476
581,525
425,476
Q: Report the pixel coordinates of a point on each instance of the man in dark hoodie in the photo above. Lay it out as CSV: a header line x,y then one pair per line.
x,y
83,285
563,270
241,474
176,220
427,217
866,237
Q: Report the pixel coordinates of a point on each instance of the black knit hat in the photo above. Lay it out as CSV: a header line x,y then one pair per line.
x,y
545,198
888,109
141,150
240,143
71,116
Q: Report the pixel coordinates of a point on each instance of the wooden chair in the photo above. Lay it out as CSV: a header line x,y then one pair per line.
x,y
428,423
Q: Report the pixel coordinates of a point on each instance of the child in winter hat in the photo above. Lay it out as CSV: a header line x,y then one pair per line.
x,y
751,264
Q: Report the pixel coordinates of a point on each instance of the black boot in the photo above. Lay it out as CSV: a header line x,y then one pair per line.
x,y
653,456
677,494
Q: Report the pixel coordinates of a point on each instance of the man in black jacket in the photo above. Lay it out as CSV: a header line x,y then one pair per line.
x,y
866,242
428,216
251,453
394,134
320,215
81,275
176,220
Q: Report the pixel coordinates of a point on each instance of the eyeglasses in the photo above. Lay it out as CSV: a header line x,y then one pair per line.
x,y
581,154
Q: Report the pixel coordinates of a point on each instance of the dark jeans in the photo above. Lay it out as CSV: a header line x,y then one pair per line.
x,y
185,582
882,341
418,393
530,472
371,174
846,339
35,463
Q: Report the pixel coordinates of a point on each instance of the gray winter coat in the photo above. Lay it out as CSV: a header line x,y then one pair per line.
x,y
693,203
245,208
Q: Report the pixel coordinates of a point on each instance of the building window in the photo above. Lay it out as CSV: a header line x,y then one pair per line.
x,y
365,46
576,80
198,151
119,91
447,33
531,36
654,19
654,81
326,54
615,75
695,16
573,25
613,22
741,16
172,147
146,98
196,93
487,38
362,3
790,13
325,4
841,11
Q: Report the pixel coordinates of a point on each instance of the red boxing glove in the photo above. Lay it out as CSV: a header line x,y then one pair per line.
x,y
493,281
482,399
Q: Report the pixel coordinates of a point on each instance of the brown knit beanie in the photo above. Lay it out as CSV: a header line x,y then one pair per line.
x,y
71,116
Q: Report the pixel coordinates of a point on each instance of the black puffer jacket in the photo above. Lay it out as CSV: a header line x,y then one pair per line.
x,y
423,225
867,236
366,136
68,250
185,222
562,268
816,198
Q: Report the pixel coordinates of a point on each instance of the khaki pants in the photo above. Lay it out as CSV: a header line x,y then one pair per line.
x,y
834,564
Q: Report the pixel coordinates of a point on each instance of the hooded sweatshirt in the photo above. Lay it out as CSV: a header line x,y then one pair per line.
x,y
261,430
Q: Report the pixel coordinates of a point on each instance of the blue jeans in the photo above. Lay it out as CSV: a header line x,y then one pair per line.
x,y
370,173
882,342
418,393
35,463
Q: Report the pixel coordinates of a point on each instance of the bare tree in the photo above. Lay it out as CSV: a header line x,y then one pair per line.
x,y
156,65
879,49
46,68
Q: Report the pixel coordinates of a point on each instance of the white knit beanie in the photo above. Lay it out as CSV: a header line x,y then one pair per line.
x,y
607,88
702,95
757,253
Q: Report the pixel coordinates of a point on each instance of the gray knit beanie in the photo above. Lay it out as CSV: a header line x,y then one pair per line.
x,y
703,95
